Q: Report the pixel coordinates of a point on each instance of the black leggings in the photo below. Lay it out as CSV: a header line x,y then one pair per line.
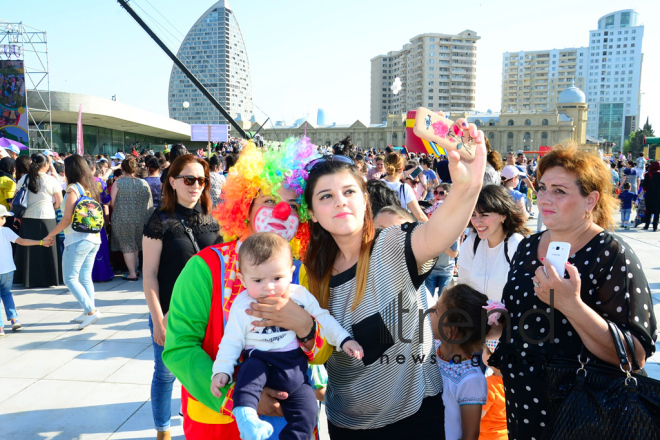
x,y
427,423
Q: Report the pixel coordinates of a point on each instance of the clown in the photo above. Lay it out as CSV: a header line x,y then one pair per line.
x,y
263,192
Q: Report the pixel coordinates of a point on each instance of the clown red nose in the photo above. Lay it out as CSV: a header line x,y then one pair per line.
x,y
281,211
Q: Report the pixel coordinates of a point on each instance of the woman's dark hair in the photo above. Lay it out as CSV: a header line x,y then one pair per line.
x,y
344,147
22,166
152,164
176,151
460,302
116,172
322,250
38,162
381,195
59,168
7,167
215,162
90,163
129,165
231,160
77,170
497,199
168,202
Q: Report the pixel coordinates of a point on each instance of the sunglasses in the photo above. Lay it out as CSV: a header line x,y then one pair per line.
x,y
316,163
190,180
439,193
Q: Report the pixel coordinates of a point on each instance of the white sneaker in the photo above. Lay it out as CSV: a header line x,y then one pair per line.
x,y
80,318
90,319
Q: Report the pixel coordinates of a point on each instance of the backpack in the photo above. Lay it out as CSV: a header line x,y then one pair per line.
x,y
20,203
506,247
87,214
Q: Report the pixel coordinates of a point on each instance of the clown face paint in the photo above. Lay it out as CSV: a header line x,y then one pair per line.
x,y
278,220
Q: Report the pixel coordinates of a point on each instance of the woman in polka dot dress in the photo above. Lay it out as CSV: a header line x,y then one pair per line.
x,y
604,280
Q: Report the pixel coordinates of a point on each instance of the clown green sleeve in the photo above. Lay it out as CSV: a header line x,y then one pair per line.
x,y
187,320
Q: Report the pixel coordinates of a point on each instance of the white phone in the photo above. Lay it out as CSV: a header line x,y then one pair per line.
x,y
558,253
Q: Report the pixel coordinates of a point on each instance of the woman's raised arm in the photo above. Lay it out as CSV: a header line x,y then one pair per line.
x,y
452,216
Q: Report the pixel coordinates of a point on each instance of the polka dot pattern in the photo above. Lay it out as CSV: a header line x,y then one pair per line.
x,y
613,284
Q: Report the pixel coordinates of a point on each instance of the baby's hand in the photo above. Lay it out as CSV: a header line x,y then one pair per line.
x,y
352,348
219,381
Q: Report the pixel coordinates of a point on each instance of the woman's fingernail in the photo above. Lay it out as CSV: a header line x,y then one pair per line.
x,y
542,259
464,124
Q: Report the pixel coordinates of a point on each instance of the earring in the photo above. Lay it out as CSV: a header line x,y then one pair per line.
x,y
246,221
587,214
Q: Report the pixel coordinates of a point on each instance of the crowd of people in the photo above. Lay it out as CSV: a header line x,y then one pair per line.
x,y
328,254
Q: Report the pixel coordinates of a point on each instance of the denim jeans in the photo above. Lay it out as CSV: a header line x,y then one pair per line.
x,y
6,281
437,280
625,216
77,265
161,387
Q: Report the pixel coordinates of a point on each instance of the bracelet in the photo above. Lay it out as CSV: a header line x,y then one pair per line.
x,y
41,242
311,334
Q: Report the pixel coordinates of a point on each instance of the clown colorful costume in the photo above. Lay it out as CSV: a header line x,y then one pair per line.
x,y
200,303
206,288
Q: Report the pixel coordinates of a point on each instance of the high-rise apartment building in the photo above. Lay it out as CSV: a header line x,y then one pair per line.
x,y
215,53
608,71
613,81
533,80
438,71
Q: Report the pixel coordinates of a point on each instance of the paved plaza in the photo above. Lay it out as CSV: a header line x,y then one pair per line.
x,y
59,383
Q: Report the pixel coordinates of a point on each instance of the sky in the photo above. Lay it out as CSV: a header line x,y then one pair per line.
x,y
306,55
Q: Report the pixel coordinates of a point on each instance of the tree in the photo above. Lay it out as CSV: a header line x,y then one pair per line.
x,y
635,141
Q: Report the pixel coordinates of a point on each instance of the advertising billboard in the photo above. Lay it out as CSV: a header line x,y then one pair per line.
x,y
13,107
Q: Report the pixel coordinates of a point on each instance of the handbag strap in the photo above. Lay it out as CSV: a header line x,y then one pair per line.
x,y
618,345
631,347
189,232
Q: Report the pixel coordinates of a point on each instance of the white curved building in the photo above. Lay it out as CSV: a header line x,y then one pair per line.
x,y
214,51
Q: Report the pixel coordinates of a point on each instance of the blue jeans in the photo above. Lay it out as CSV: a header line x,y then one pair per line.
x,y
77,265
161,387
6,281
625,216
437,280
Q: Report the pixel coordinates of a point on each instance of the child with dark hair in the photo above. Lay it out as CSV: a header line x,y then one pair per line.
x,y
627,198
272,355
457,324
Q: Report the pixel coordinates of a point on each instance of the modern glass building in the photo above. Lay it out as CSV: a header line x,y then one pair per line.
x,y
215,53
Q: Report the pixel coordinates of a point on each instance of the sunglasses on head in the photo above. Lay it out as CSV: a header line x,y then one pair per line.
x,y
314,164
440,193
190,180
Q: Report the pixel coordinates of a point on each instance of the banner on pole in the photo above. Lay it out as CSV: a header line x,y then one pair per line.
x,y
80,148
200,132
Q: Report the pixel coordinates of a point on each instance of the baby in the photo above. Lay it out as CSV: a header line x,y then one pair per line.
x,y
273,357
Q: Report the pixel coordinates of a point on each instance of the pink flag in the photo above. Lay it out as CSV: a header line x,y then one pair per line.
x,y
79,139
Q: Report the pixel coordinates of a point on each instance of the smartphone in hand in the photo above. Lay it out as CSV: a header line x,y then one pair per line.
x,y
444,132
558,253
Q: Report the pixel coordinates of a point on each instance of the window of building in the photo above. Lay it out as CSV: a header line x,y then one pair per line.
x,y
544,122
528,122
510,122
509,135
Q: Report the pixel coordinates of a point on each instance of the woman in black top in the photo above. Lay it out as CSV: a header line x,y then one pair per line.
x,y
167,247
604,281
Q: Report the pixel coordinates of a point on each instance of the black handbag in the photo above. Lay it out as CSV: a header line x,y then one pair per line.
x,y
20,201
596,400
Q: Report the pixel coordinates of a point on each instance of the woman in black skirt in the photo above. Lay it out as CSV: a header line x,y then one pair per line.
x,y
38,266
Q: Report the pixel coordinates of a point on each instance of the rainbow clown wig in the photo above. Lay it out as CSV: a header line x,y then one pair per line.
x,y
267,170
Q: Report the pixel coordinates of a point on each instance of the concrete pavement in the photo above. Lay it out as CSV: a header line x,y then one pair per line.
x,y
60,383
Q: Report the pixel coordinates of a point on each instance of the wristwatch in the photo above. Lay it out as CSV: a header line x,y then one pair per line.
x,y
311,334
